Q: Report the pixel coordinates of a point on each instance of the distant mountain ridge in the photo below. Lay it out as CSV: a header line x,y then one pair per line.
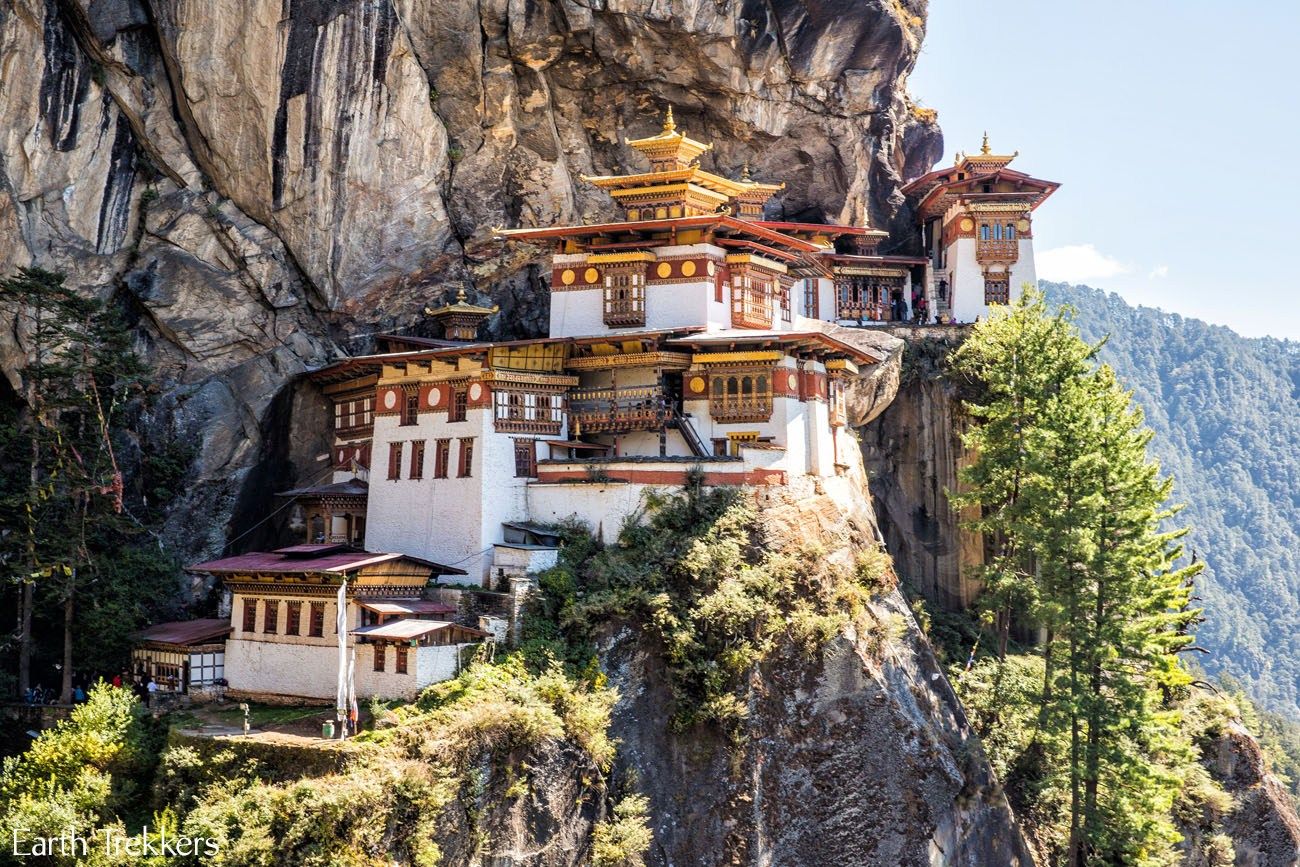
x,y
1226,414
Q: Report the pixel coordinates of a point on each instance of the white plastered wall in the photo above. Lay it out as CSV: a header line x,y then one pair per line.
x,y
453,521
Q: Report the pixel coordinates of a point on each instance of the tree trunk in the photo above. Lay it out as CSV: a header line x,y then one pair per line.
x,y
25,606
68,607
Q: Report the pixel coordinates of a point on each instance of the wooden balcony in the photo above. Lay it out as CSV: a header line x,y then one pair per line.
x,y
1007,251
625,309
736,408
618,410
751,307
528,419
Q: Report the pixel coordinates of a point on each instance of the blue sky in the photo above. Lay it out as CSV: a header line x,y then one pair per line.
x,y
1173,127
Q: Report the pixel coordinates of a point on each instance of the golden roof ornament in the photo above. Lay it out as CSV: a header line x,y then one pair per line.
x,y
985,161
744,172
669,123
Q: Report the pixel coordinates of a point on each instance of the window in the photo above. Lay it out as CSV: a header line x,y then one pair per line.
x,y
720,446
784,301
271,617
399,663
466,458
459,404
528,412
984,231
1011,231
751,299
997,290
292,618
525,459
250,615
417,459
381,650
810,299
207,668
411,409
394,460
740,396
624,297
441,457
316,629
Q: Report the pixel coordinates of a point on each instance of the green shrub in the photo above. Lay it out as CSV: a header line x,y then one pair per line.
x,y
623,839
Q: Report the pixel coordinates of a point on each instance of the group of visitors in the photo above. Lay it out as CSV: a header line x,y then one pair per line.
x,y
41,694
143,685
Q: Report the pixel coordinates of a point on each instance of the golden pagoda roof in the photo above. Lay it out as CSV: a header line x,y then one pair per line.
x,y
461,305
985,161
669,143
691,175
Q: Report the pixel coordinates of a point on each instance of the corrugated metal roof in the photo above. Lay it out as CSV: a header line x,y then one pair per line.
x,y
412,628
347,560
408,606
349,488
202,631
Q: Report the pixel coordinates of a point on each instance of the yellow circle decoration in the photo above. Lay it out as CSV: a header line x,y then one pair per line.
x,y
697,383
591,275
1022,226
967,224
435,395
567,277
792,382
390,400
688,269
475,391
710,268
664,269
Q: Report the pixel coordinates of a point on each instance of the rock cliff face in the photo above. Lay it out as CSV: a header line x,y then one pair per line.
x,y
262,184
912,450
857,755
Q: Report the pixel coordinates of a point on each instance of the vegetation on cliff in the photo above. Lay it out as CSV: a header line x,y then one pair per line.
x,y
696,578
441,769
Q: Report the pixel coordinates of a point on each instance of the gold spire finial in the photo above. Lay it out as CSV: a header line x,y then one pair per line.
x,y
461,298
669,123
744,172
985,149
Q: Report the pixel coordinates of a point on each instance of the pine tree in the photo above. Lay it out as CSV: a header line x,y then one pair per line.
x,y
78,379
1065,484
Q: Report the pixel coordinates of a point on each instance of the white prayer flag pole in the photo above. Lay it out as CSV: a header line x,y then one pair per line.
x,y
341,627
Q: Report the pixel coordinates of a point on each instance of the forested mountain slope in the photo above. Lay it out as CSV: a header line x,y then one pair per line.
x,y
1226,415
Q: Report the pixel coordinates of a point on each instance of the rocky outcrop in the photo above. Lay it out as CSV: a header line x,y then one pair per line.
x,y
265,184
1263,825
856,755
913,452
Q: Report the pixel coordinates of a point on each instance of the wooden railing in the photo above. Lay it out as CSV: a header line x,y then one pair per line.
x,y
741,407
515,419
997,251
619,409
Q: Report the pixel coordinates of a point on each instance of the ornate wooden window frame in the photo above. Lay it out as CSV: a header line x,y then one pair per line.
x,y
740,394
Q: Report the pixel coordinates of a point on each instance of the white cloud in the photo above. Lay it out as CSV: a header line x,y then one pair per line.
x,y
1159,272
1076,263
